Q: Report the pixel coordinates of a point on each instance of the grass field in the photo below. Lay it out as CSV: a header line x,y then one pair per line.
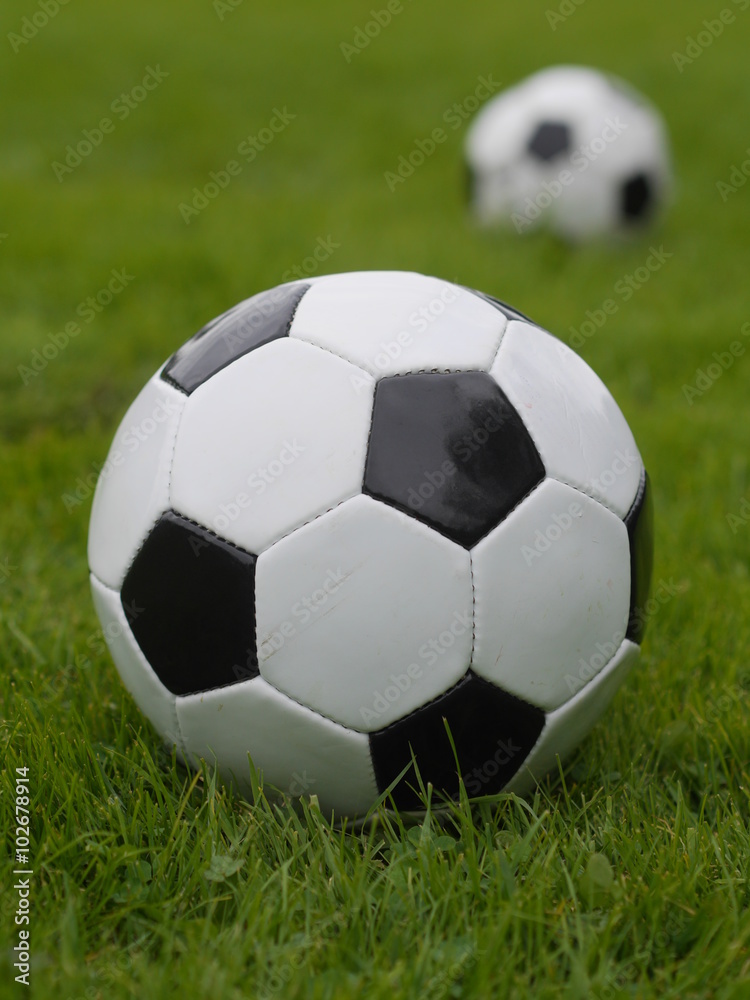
x,y
629,877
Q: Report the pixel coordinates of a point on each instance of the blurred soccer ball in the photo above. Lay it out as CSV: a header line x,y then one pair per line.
x,y
572,149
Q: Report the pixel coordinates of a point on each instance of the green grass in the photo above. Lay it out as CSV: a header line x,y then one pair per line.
x,y
626,879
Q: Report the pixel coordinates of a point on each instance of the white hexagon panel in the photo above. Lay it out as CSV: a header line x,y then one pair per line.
x,y
580,432
552,586
364,614
389,322
262,445
315,757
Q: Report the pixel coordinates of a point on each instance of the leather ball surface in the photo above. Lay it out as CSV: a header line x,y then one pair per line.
x,y
353,509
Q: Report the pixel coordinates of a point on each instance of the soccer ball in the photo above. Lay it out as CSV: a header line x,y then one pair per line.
x,y
354,509
570,148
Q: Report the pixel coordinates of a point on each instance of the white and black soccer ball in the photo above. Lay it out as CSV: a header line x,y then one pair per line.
x,y
572,149
353,509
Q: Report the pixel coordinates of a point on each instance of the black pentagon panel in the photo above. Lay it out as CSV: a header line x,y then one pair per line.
x,y
550,139
501,306
640,525
637,199
450,450
262,318
189,597
493,732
